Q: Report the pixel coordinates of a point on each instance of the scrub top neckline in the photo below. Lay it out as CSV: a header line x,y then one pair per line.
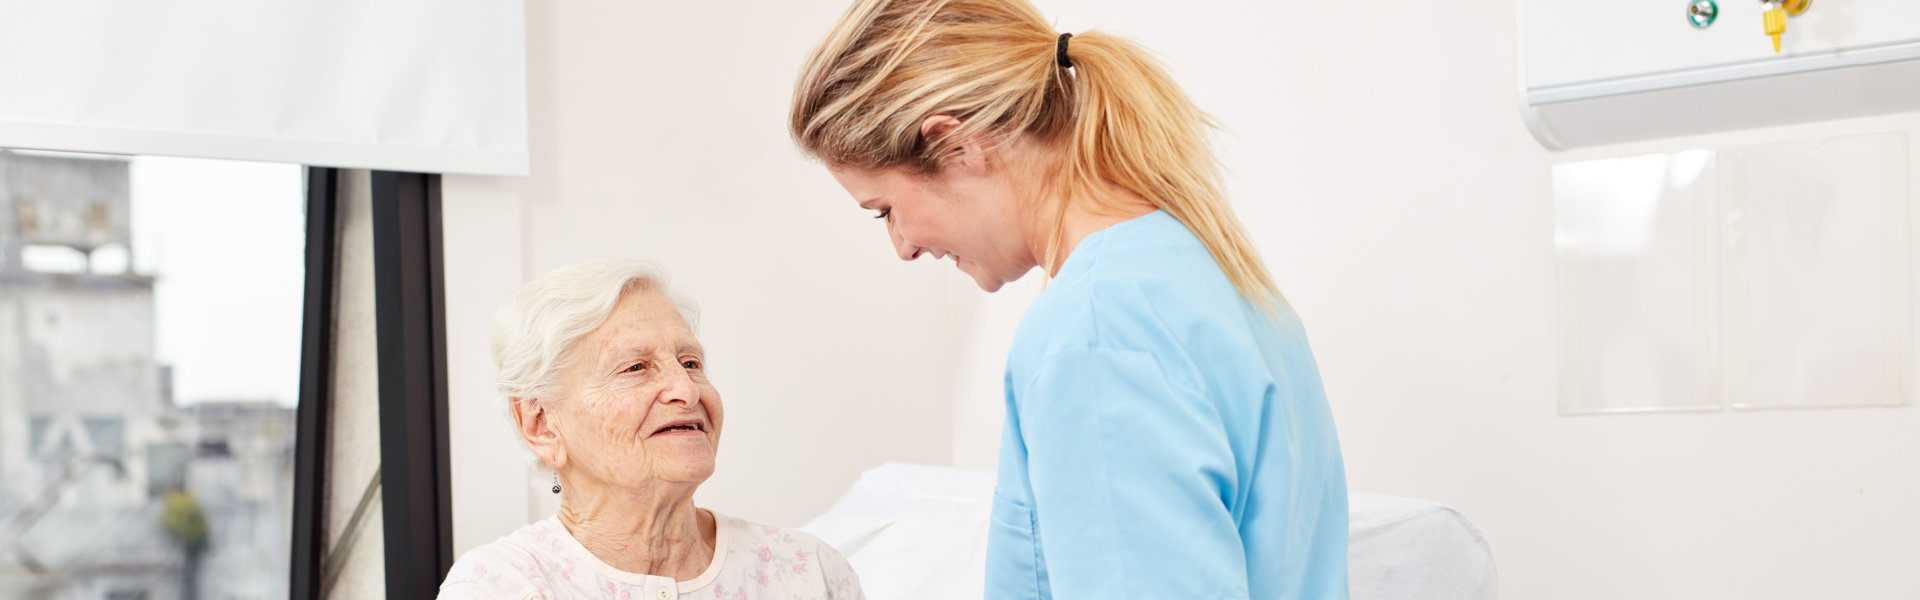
x,y
1076,259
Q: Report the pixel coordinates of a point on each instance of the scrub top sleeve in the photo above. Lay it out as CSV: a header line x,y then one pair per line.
x,y
1131,474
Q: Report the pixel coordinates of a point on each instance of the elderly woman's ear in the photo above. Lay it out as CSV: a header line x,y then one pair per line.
x,y
536,427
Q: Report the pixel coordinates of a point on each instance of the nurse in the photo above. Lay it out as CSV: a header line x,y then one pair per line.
x,y
1166,432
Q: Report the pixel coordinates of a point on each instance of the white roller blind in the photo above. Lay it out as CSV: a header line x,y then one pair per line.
x,y
416,85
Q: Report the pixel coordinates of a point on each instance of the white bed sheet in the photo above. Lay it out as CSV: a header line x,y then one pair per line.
x,y
916,532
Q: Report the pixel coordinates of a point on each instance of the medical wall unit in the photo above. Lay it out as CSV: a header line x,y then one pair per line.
x,y
1609,72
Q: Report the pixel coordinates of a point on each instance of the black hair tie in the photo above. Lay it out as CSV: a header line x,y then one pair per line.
x,y
1060,51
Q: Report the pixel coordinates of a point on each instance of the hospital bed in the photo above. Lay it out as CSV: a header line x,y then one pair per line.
x,y
916,532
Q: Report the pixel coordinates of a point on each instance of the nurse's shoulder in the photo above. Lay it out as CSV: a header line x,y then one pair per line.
x,y
1143,283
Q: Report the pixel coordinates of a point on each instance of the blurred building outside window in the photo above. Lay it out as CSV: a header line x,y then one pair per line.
x,y
149,368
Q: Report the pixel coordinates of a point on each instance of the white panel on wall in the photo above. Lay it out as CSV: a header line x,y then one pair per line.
x,y
1817,274
1635,244
1773,276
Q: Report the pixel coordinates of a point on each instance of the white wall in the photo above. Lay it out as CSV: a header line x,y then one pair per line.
x,y
1378,158
1380,162
659,132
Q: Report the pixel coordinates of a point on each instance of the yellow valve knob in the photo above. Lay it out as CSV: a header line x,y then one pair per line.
x,y
1776,21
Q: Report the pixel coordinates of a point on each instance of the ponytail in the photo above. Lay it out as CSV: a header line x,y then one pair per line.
x,y
1135,128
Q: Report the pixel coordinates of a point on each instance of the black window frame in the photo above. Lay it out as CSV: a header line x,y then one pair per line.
x,y
312,417
410,336
410,303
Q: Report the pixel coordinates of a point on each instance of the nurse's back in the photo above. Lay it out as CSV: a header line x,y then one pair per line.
x,y
1164,431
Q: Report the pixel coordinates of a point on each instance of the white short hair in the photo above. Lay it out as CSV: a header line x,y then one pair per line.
x,y
535,332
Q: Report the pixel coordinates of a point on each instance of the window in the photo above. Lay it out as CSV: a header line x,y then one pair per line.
x,y
150,354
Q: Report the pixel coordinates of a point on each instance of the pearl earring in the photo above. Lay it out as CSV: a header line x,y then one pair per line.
x,y
556,482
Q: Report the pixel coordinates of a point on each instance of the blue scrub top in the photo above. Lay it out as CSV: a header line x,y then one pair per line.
x,y
1164,438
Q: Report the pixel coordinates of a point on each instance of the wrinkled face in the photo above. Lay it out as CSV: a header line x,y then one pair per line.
x,y
961,214
636,408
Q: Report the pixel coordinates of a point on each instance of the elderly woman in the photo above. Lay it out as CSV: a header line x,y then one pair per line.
x,y
608,385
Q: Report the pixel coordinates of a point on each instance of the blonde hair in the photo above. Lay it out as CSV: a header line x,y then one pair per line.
x,y
1116,117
